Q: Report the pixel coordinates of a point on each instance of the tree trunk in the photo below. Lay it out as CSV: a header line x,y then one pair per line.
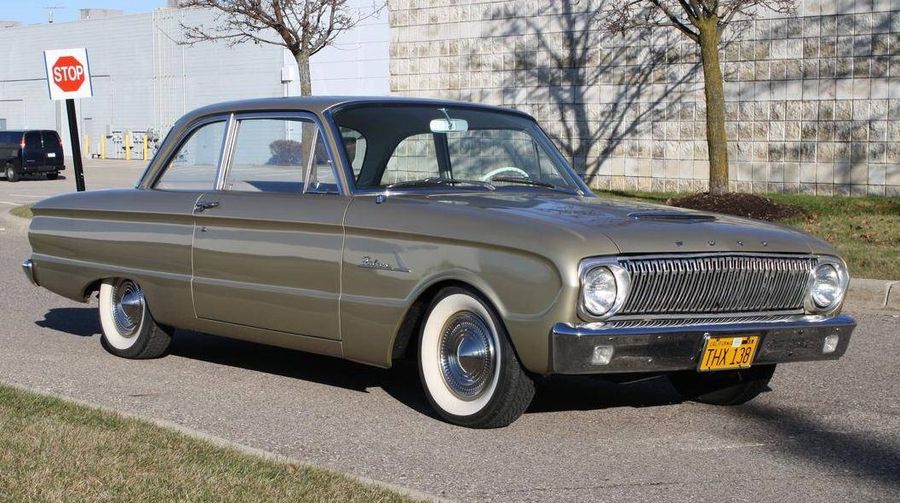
x,y
303,66
714,88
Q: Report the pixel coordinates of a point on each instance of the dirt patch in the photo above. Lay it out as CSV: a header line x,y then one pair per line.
x,y
739,204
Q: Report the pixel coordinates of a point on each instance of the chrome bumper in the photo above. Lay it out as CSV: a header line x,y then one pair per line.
x,y
28,269
663,349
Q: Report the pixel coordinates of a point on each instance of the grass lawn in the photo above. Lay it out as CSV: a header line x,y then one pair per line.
x,y
866,230
52,450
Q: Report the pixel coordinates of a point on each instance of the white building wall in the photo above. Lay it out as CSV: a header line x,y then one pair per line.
x,y
145,80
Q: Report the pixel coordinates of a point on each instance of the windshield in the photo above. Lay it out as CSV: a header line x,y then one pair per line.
x,y
437,147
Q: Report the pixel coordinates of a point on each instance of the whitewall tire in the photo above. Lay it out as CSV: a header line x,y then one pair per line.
x,y
468,368
128,327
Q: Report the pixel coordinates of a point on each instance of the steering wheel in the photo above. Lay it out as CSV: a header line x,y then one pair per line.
x,y
511,169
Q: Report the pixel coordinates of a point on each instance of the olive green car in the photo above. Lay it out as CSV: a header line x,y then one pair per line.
x,y
374,229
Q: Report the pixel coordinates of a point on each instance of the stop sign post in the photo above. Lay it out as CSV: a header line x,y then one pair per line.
x,y
69,78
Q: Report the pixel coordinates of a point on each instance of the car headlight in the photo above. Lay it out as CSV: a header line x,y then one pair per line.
x,y
604,287
827,285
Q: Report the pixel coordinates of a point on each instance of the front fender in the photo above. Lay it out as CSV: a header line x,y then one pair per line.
x,y
523,287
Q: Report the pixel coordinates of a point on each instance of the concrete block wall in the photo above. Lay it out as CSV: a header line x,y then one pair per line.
x,y
813,100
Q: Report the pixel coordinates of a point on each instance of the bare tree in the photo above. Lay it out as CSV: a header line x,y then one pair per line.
x,y
704,22
303,27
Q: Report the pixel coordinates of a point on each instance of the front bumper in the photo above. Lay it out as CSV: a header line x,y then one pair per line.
x,y
28,269
664,349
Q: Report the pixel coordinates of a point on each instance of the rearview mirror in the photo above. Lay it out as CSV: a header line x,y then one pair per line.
x,y
449,125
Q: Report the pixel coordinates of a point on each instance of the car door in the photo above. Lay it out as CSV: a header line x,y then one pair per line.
x,y
52,148
267,243
32,153
154,227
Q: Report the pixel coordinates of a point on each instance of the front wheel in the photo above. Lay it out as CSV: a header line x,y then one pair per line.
x,y
468,368
732,387
129,330
53,175
11,174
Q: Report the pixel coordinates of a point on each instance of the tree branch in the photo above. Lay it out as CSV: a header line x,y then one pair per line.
x,y
677,22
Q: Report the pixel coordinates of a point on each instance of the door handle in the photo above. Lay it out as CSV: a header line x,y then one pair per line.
x,y
202,206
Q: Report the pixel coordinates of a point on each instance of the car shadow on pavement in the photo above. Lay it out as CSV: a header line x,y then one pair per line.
x,y
797,434
80,321
560,393
38,178
401,382
557,393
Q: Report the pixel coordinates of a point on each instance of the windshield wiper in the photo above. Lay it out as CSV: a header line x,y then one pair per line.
x,y
437,181
522,180
532,182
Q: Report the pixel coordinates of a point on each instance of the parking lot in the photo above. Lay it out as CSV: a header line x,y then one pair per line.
x,y
99,174
826,431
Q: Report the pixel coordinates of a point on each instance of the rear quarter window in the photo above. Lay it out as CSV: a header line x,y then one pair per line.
x,y
33,140
51,139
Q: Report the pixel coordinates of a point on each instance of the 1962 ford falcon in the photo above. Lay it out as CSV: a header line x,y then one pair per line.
x,y
453,233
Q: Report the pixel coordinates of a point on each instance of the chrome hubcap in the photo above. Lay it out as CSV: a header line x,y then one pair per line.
x,y
128,307
467,355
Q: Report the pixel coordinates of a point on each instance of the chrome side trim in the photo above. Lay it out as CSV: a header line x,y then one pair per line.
x,y
28,269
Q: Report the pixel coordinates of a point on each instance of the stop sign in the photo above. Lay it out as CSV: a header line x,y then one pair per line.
x,y
68,74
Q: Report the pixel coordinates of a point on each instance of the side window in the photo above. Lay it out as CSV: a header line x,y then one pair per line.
x,y
355,146
270,155
50,138
195,165
414,158
321,177
33,141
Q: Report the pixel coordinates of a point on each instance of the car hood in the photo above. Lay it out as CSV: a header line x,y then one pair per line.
x,y
643,228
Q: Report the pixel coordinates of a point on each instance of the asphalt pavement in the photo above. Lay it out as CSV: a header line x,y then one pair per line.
x,y
827,431
99,174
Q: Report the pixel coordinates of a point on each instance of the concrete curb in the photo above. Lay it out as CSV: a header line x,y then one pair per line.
x,y
223,442
876,294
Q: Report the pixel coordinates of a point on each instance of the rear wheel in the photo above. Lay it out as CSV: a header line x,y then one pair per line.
x,y
53,175
129,330
732,387
468,368
11,174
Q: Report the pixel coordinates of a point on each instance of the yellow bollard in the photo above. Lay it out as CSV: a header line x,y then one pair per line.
x,y
103,146
127,146
87,145
146,147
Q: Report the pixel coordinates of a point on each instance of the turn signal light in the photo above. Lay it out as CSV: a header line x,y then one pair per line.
x,y
602,355
831,343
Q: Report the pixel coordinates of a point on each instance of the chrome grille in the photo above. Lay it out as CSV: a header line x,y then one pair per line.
x,y
727,283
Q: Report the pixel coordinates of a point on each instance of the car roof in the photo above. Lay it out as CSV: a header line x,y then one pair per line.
x,y
27,131
319,104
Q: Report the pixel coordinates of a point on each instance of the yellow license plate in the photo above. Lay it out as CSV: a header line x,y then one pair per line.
x,y
726,353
